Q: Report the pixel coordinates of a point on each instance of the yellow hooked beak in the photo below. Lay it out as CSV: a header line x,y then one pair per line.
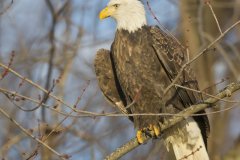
x,y
106,12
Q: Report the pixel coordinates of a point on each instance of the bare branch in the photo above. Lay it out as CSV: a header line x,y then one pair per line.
x,y
199,54
5,10
132,144
30,135
214,16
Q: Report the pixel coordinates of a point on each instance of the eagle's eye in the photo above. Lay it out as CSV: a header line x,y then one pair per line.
x,y
116,5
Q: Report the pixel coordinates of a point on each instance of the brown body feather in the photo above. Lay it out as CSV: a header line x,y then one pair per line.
x,y
143,64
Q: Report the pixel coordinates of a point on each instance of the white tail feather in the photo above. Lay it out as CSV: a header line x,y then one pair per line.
x,y
185,142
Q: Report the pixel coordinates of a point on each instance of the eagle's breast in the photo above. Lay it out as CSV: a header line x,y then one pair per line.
x,y
137,69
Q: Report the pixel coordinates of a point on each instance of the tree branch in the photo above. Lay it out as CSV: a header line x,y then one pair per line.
x,y
7,8
26,132
132,144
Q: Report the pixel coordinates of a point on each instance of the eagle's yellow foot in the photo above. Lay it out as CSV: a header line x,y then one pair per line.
x,y
152,131
140,136
156,130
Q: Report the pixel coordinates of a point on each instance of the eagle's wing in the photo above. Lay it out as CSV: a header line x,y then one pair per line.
x,y
106,79
172,57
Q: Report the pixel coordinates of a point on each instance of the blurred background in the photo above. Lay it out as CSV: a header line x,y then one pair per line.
x,y
53,44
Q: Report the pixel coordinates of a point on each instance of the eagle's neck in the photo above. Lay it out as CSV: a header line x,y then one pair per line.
x,y
131,21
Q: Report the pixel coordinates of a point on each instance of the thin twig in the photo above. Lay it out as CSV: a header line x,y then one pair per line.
x,y
215,17
199,54
52,49
226,56
46,91
7,8
164,28
30,135
68,115
204,93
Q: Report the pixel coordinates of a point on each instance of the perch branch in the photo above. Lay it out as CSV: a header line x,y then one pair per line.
x,y
132,144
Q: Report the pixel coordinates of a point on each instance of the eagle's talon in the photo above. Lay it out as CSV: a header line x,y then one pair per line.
x,y
156,130
140,135
152,131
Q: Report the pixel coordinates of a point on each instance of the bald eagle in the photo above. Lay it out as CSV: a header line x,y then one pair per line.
x,y
133,75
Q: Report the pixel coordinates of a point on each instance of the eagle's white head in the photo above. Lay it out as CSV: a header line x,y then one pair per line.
x,y
129,14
